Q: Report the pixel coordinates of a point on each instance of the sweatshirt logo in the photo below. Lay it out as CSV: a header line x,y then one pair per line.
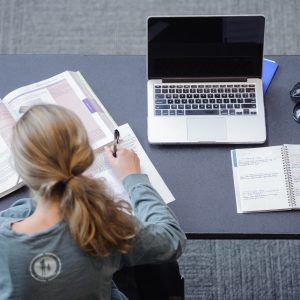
x,y
45,267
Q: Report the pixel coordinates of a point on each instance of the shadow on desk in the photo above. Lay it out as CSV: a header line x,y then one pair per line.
x,y
151,282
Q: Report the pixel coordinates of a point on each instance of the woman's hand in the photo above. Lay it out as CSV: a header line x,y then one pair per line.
x,y
126,162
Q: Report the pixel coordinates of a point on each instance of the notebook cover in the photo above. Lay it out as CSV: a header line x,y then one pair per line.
x,y
269,69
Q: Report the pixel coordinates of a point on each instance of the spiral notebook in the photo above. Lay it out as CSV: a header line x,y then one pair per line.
x,y
266,178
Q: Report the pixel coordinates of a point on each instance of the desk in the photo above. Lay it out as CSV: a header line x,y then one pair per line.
x,y
200,177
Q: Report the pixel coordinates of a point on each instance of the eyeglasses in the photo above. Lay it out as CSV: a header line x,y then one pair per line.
x,y
295,95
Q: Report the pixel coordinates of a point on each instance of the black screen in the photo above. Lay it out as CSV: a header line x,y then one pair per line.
x,y
195,47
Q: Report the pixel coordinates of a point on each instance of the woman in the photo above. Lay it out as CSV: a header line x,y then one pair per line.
x,y
69,239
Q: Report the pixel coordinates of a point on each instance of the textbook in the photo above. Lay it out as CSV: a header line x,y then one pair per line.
x,y
70,89
269,69
267,178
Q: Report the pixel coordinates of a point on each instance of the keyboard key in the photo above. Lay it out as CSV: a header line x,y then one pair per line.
x,y
253,112
224,112
160,101
172,112
249,100
180,106
179,112
232,112
165,112
159,96
248,105
158,91
188,106
174,106
202,112
162,106
158,112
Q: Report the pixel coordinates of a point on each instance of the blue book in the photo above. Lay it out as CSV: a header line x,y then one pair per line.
x,y
269,69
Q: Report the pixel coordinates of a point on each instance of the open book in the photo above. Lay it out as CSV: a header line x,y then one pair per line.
x,y
69,89
267,178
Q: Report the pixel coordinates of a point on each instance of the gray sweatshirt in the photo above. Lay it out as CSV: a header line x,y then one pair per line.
x,y
49,265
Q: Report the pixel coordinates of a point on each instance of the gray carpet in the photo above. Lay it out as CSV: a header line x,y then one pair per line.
x,y
213,269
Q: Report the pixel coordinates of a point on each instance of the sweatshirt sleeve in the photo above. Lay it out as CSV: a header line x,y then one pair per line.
x,y
159,237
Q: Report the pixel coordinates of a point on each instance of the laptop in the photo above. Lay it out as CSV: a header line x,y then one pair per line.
x,y
204,79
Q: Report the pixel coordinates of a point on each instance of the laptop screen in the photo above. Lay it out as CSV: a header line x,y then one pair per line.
x,y
205,46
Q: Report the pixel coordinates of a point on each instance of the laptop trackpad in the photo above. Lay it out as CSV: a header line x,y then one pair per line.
x,y
206,129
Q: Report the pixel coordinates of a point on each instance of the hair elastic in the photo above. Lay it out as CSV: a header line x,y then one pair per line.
x,y
69,178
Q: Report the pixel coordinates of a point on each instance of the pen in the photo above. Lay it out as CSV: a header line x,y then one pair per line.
x,y
116,141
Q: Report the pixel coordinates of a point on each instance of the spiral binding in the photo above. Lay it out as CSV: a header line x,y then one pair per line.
x,y
288,176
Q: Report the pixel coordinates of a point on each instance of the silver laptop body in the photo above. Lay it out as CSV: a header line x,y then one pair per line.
x,y
204,79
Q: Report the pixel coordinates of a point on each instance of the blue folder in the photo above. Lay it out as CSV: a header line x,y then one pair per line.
x,y
269,69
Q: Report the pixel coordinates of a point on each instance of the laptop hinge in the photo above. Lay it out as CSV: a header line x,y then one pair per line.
x,y
206,79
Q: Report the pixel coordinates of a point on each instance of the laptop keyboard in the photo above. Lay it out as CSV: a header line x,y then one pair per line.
x,y
202,99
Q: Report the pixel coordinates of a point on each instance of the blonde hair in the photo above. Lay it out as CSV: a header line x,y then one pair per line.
x,y
51,152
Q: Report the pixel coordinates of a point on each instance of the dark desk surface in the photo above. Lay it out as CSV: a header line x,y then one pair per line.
x,y
200,177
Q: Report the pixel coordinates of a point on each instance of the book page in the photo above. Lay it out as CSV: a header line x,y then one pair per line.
x,y
294,167
8,176
6,124
259,179
62,90
101,167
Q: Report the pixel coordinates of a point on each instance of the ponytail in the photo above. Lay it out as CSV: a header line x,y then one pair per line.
x,y
97,223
